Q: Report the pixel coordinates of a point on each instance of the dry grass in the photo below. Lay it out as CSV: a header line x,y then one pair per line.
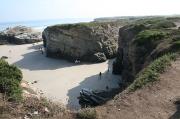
x,y
33,108
87,113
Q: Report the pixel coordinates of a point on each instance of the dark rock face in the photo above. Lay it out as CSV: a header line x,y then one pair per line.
x,y
20,35
92,42
126,37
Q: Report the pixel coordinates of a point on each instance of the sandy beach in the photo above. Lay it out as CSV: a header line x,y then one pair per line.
x,y
59,80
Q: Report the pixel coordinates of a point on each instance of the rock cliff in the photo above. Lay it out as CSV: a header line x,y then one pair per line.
x,y
141,43
92,42
20,35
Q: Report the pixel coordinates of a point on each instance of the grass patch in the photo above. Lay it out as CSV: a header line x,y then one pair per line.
x,y
149,36
10,78
87,113
151,73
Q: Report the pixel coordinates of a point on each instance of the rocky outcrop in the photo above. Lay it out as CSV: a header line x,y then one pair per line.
x,y
20,35
92,42
139,44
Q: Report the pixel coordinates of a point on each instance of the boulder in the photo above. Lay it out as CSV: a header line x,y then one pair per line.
x,y
20,35
98,57
94,42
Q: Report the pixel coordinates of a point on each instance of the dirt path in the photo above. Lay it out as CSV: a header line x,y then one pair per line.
x,y
152,102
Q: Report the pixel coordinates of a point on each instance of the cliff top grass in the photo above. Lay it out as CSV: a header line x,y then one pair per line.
x,y
151,73
150,20
85,24
10,78
148,36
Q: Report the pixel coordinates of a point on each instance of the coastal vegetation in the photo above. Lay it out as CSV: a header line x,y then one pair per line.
x,y
10,78
152,72
149,36
85,24
164,24
157,22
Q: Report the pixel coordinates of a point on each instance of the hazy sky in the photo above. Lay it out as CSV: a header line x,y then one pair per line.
x,y
22,10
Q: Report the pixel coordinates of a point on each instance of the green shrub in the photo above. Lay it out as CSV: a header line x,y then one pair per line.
x,y
10,78
149,36
151,73
87,113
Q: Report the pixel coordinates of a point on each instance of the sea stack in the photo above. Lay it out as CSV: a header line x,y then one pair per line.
x,y
91,42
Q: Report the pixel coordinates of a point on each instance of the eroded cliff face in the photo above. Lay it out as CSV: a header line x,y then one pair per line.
x,y
139,44
126,51
93,42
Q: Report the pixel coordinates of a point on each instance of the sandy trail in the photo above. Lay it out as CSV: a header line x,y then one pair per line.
x,y
154,101
58,79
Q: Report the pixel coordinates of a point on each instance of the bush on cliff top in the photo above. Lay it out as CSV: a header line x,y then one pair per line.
x,y
151,73
157,22
89,24
10,78
149,36
163,24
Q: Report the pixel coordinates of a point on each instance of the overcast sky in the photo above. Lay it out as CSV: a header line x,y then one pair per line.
x,y
24,10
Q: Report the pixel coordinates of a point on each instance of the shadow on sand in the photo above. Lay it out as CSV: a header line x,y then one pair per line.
x,y
95,83
38,61
36,46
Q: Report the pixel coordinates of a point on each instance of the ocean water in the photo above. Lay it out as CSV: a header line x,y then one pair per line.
x,y
41,24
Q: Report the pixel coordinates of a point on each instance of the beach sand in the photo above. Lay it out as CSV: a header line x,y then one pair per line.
x,y
59,80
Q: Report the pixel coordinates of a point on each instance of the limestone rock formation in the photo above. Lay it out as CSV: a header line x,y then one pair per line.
x,y
92,42
20,35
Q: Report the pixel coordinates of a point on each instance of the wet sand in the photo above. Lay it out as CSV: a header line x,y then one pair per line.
x,y
59,80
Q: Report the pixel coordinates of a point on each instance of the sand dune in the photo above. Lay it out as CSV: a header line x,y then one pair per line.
x,y
58,79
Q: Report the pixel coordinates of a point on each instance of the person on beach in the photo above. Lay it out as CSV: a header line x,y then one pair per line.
x,y
100,74
41,50
77,61
107,87
108,69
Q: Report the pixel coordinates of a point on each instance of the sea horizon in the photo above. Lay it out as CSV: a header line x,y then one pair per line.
x,y
41,24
